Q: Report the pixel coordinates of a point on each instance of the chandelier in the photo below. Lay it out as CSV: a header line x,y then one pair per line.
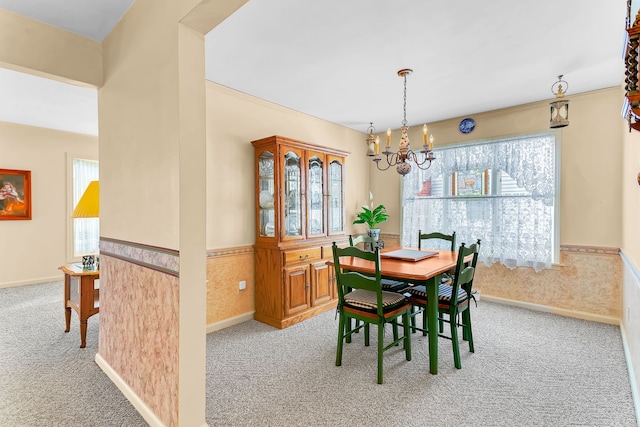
x,y
403,158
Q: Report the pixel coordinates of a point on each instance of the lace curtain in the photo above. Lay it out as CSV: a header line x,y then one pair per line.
x,y
86,231
516,229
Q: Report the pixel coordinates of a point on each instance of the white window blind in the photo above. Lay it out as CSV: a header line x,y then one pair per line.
x,y
501,192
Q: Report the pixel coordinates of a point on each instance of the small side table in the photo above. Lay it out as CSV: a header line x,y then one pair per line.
x,y
87,299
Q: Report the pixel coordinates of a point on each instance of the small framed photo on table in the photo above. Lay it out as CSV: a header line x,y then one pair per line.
x,y
15,194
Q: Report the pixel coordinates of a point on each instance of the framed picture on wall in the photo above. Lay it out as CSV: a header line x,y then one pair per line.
x,y
15,194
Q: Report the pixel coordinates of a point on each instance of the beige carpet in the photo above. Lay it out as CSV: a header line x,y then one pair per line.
x,y
529,369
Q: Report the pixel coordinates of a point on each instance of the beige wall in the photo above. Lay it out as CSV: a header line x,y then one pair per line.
x,y
31,46
139,130
631,195
591,161
47,51
33,250
153,191
590,205
234,120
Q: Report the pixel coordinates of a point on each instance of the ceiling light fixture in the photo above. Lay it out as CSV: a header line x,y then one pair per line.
x,y
559,106
403,158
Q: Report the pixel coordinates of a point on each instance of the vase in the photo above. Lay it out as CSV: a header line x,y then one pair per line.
x,y
375,233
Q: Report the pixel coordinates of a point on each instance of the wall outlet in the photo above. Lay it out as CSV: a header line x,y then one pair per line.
x,y
242,285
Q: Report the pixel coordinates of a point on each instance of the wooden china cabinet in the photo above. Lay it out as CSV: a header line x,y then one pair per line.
x,y
299,213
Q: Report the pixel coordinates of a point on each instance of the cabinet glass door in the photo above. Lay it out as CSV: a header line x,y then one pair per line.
x,y
292,194
336,201
266,194
315,197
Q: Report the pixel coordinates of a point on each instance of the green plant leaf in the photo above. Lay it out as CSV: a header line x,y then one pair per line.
x,y
372,217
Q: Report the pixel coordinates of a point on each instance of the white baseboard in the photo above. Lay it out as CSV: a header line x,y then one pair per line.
x,y
32,281
137,403
212,327
560,311
632,377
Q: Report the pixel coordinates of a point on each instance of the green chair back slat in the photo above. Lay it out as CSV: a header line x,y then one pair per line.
x,y
437,235
355,280
353,241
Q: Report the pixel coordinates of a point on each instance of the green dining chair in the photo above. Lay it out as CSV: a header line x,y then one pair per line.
x,y
436,235
366,241
446,277
387,284
453,302
439,236
361,298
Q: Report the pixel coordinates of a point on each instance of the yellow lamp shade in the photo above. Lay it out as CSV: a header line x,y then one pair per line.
x,y
89,204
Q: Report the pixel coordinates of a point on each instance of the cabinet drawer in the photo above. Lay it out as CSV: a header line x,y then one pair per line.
x,y
327,251
291,257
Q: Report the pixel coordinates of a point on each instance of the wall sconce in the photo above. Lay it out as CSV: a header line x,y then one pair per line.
x,y
559,106
372,142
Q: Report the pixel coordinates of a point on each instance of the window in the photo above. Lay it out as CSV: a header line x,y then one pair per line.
x,y
502,192
86,231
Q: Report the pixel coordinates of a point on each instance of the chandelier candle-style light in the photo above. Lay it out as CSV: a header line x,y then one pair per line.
x,y
405,156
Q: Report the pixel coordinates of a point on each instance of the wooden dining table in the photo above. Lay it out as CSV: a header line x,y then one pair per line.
x,y
426,272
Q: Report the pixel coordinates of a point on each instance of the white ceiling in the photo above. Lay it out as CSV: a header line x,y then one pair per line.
x,y
338,59
36,101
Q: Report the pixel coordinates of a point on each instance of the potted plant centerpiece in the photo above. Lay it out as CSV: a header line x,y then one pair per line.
x,y
372,217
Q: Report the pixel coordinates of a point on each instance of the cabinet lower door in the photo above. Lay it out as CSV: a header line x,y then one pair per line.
x,y
320,289
333,285
296,290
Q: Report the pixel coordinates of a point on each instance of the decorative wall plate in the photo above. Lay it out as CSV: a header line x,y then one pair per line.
x,y
467,125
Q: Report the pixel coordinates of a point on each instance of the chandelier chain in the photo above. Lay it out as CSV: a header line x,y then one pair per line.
x,y
404,108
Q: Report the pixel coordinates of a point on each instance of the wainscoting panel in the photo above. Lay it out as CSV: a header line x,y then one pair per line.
x,y
227,304
390,240
139,322
586,284
631,326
